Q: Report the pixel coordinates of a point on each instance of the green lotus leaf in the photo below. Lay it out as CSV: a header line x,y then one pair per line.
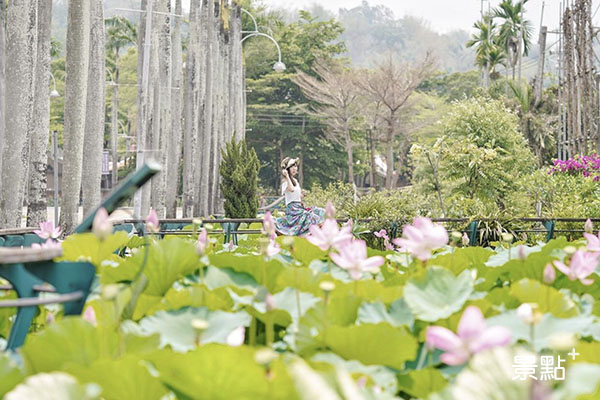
x,y
437,293
56,386
399,313
70,340
421,383
383,377
176,329
546,297
88,247
263,271
549,325
125,378
215,372
10,372
371,343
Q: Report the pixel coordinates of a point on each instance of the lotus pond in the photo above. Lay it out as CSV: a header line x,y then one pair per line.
x,y
322,317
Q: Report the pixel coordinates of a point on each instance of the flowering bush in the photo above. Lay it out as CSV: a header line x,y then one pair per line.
x,y
587,166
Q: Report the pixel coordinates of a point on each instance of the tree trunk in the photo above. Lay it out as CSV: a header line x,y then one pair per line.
x,y
207,134
237,72
37,206
174,153
389,155
21,49
373,174
190,156
2,82
152,197
348,142
164,106
94,114
78,37
114,125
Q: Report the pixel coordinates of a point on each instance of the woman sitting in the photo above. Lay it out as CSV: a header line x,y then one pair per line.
x,y
298,218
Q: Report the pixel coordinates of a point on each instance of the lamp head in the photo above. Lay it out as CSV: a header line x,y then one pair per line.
x,y
54,94
279,66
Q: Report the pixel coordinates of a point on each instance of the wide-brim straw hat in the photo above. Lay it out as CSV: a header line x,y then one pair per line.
x,y
288,162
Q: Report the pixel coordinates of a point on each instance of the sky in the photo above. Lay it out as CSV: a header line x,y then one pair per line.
x,y
444,15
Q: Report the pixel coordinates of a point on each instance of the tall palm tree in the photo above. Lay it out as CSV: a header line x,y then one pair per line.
x,y
515,33
483,40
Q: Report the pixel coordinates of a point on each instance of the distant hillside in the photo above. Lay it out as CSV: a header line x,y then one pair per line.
x,y
373,31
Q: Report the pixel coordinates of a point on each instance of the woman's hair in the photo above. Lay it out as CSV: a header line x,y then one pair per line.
x,y
294,181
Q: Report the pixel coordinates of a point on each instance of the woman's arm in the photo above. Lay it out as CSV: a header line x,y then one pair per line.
x,y
290,186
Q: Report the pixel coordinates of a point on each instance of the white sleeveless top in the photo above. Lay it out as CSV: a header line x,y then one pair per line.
x,y
296,195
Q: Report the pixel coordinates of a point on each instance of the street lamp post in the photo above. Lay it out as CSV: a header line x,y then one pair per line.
x,y
53,95
279,66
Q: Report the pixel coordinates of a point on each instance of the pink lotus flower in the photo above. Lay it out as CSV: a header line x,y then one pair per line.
x,y
269,228
202,242
90,315
152,221
465,239
422,237
473,336
272,249
329,210
582,265
48,230
236,337
588,227
549,274
593,242
381,234
353,258
329,235
48,244
386,240
102,227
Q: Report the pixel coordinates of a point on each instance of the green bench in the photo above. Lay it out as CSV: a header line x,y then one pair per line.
x,y
31,271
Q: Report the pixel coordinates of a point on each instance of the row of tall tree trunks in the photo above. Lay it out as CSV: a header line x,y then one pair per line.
x,y
213,106
206,103
211,113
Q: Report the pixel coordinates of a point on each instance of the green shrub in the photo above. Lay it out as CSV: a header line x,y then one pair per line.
x,y
239,180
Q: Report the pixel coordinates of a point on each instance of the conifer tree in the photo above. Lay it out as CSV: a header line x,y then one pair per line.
x,y
239,180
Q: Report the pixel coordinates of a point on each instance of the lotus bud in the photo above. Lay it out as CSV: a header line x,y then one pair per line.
x,y
549,274
265,357
329,210
110,291
288,241
562,341
327,286
570,250
465,239
270,302
529,313
588,227
101,226
269,224
197,221
90,315
199,324
152,221
202,242
521,252
507,237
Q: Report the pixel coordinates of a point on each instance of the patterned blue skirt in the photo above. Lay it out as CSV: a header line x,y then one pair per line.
x,y
298,219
